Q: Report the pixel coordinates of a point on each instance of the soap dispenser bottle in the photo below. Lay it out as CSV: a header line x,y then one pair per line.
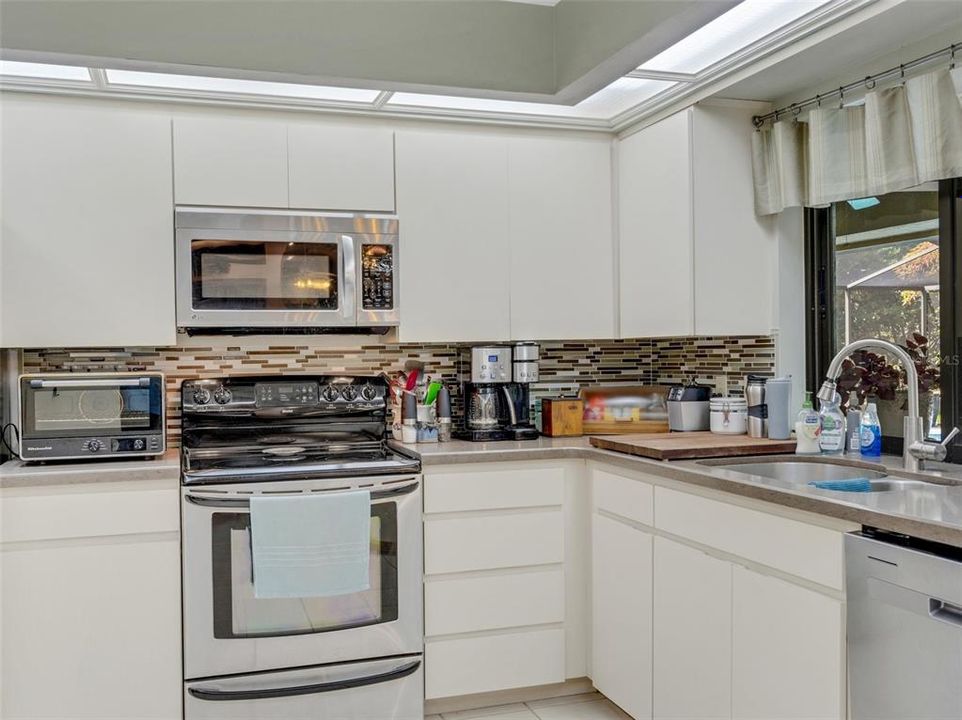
x,y
853,424
832,438
807,429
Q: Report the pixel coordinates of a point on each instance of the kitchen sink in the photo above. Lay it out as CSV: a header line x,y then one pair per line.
x,y
803,473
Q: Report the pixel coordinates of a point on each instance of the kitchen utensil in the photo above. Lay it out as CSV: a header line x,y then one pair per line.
x,y
433,389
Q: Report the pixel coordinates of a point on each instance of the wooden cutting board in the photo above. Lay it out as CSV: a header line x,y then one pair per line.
x,y
692,445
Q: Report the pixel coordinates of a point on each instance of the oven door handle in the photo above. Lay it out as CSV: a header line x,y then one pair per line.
x,y
243,502
92,382
312,689
349,271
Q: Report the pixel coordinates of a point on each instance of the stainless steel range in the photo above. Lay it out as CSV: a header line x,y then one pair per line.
x,y
347,656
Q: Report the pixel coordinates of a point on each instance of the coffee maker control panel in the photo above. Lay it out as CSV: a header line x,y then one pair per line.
x,y
491,364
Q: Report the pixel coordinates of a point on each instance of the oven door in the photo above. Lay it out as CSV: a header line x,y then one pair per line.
x,y
389,689
227,630
233,278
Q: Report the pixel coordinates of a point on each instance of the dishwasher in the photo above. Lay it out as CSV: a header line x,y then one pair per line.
x,y
904,627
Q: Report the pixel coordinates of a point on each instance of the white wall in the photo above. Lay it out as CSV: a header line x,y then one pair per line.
x,y
788,301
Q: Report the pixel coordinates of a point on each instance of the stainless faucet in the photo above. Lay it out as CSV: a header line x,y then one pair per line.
x,y
916,449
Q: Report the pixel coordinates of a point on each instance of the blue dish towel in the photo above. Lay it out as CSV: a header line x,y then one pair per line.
x,y
853,485
311,545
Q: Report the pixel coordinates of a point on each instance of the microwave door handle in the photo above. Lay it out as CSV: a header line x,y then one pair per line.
x,y
349,274
101,382
311,689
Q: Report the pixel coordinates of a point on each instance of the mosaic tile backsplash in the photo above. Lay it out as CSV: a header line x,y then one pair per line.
x,y
722,362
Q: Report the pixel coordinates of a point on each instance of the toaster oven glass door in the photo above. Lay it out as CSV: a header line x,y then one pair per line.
x,y
77,407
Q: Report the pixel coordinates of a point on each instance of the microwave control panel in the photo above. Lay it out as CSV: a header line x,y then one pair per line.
x,y
377,277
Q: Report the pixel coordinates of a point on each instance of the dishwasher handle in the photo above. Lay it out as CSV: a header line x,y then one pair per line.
x,y
945,612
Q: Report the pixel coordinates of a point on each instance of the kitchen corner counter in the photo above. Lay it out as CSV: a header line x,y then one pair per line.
x,y
933,512
16,473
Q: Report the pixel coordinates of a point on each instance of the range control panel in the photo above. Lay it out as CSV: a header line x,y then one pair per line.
x,y
282,396
377,277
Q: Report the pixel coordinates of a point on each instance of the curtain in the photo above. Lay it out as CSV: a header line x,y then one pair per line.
x,y
901,137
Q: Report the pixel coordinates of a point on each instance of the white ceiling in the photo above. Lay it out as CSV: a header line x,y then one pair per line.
x,y
900,34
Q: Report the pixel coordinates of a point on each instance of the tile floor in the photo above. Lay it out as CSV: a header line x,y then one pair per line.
x,y
589,706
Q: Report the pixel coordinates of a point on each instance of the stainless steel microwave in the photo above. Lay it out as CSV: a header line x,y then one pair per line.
x,y
71,416
265,271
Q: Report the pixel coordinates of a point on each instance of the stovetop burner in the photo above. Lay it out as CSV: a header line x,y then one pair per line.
x,y
264,430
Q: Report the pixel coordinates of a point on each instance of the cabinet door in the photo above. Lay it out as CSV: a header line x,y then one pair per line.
x,y
91,620
221,161
692,634
734,248
87,213
562,266
788,650
452,197
655,229
341,168
621,614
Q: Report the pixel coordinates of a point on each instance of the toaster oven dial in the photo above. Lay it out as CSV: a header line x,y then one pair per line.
x,y
201,396
222,395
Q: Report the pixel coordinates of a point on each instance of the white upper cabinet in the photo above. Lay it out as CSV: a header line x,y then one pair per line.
x,y
561,243
655,230
452,202
734,247
86,245
273,164
694,258
224,161
341,168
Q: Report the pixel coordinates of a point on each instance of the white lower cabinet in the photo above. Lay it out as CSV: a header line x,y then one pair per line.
x,y
788,650
91,621
692,634
621,614
502,568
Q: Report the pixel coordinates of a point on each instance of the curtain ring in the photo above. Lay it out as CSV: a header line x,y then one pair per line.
x,y
758,121
818,101
841,97
952,57
901,71
870,82
796,110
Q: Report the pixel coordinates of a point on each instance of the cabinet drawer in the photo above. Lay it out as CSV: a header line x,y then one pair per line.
x,y
469,604
488,542
86,511
493,662
622,496
493,489
797,548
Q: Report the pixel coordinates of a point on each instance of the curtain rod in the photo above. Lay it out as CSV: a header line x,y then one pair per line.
x,y
868,82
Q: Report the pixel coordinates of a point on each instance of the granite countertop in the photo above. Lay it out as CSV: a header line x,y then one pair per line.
x,y
932,511
15,473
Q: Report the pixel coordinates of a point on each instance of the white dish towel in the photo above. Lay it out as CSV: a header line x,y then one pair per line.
x,y
311,545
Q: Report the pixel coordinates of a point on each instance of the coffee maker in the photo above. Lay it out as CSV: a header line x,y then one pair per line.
x,y
496,400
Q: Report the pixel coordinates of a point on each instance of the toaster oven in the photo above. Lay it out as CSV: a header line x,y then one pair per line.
x,y
72,416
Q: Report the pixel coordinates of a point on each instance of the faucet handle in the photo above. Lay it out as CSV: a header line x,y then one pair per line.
x,y
948,438
933,451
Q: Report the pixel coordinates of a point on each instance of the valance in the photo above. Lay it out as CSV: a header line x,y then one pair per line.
x,y
900,137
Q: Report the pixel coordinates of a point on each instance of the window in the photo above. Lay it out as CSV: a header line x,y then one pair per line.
x,y
886,267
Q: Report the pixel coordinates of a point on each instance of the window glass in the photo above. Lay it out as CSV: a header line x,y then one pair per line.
x,y
887,286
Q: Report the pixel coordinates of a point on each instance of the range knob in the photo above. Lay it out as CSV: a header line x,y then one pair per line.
x,y
330,393
94,445
201,396
222,395
369,392
349,392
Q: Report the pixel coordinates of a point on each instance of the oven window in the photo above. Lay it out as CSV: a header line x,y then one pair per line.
x,y
74,411
238,614
268,275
